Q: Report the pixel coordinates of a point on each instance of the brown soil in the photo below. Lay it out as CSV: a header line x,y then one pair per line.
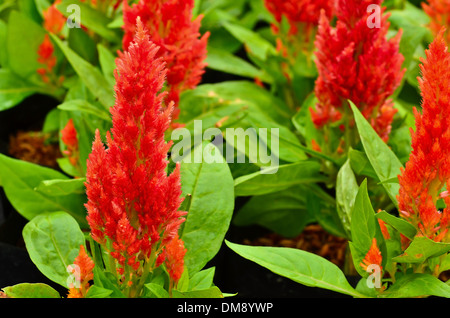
x,y
34,146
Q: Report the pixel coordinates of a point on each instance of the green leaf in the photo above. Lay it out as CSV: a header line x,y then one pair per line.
x,y
417,285
85,107
98,292
224,61
22,54
383,160
402,226
106,280
93,19
20,179
254,43
360,164
420,249
107,63
278,178
284,212
364,227
27,290
53,241
213,292
202,280
89,74
210,186
300,266
14,89
57,187
157,290
346,191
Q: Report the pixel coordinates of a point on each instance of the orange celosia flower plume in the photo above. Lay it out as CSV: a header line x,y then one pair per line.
x,y
439,13
428,168
132,202
373,256
54,20
171,27
356,62
84,274
70,139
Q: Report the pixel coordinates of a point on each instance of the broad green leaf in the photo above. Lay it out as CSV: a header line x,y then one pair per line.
x,y
57,187
107,63
157,290
202,280
212,292
14,89
284,212
224,61
27,290
53,241
210,186
399,224
417,285
91,18
20,179
98,292
420,249
300,266
22,42
346,191
278,178
360,164
85,107
254,43
364,227
89,74
383,160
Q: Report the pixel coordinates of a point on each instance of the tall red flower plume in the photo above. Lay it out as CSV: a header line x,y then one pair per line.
x,y
171,27
84,274
132,202
428,168
439,13
356,62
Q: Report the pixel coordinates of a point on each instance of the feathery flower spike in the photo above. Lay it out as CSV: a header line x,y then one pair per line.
x,y
171,27
373,256
70,139
439,13
47,59
84,275
54,20
358,63
132,202
428,168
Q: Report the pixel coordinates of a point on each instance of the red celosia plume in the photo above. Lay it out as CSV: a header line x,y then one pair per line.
x,y
301,14
356,62
439,13
54,20
172,28
373,256
428,168
132,202
84,274
70,139
47,58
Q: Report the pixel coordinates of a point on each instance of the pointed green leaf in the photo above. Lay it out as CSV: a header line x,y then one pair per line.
x,y
300,266
383,160
27,290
